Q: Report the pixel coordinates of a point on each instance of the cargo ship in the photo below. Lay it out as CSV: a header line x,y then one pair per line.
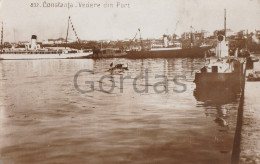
x,y
32,50
168,50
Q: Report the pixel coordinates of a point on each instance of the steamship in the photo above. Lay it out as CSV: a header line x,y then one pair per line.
x,y
168,50
32,50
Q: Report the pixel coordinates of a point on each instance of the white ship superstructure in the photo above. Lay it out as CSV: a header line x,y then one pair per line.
x,y
33,50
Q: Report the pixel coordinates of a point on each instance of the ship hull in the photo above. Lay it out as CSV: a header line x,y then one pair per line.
x,y
215,80
171,53
217,94
43,56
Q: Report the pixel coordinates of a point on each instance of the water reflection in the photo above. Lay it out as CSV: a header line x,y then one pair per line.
x,y
219,98
216,95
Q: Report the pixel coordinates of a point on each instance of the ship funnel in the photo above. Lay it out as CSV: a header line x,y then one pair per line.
x,y
34,37
222,46
34,42
165,41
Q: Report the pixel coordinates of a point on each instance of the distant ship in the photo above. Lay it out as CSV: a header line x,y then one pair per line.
x,y
33,50
168,51
107,52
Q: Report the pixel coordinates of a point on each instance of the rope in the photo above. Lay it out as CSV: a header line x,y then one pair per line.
x,y
75,33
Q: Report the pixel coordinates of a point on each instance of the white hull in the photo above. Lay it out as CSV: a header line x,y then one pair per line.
x,y
43,56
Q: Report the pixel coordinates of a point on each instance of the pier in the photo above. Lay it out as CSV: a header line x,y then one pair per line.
x,y
246,144
250,137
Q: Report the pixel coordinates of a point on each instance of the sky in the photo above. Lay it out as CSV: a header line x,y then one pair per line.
x,y
153,17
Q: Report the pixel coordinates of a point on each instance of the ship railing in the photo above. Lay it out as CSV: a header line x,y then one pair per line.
x,y
31,52
43,52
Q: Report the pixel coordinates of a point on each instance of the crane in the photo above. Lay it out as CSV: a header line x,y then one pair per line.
x,y
139,31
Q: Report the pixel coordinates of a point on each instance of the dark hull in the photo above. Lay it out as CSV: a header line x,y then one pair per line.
x,y
221,80
216,95
107,55
185,52
217,88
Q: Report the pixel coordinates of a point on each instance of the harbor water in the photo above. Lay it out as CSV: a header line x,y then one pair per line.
x,y
44,119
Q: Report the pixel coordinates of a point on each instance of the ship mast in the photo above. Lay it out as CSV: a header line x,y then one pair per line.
x,y
2,35
67,33
225,22
75,33
191,37
142,46
247,39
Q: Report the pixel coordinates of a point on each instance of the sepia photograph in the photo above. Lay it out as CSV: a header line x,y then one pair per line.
x,y
129,82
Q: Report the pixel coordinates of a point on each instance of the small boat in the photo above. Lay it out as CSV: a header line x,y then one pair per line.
x,y
254,59
254,76
223,70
